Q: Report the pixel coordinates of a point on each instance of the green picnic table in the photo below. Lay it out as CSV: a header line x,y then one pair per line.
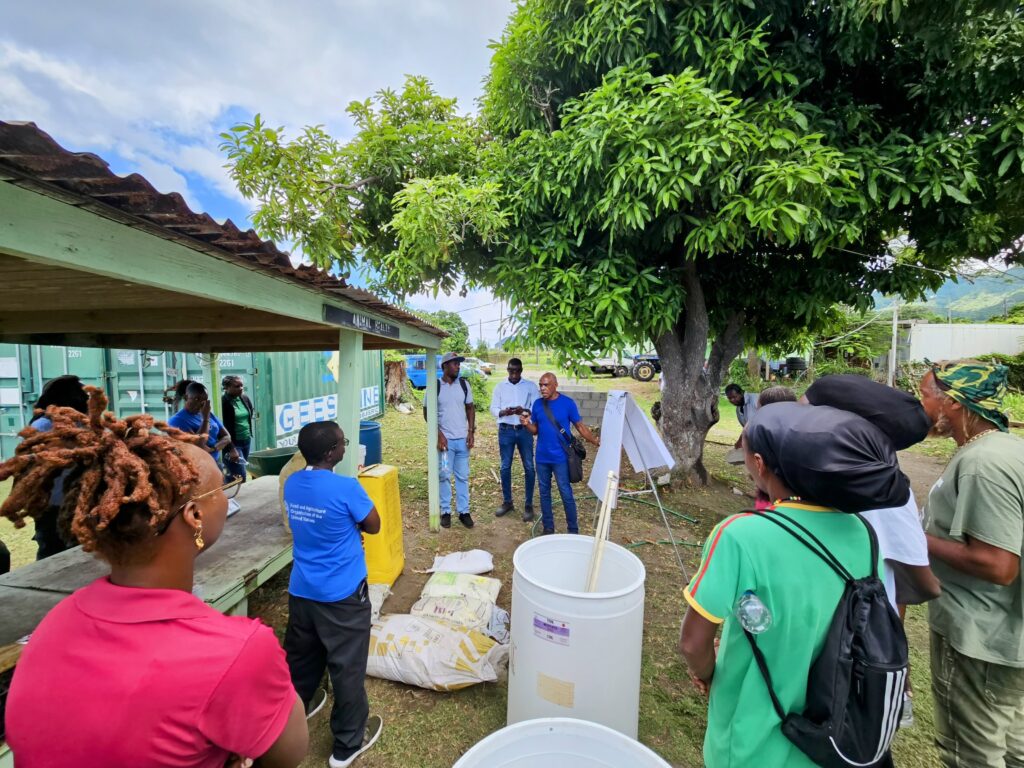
x,y
253,547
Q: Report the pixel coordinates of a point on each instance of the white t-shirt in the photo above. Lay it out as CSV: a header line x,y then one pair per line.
x,y
900,539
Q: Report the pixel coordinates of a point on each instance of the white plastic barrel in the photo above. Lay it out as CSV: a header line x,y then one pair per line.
x,y
576,654
561,742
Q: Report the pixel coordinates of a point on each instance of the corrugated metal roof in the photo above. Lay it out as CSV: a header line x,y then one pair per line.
x,y
31,158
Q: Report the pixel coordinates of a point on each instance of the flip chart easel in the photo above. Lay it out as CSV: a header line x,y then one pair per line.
x,y
626,426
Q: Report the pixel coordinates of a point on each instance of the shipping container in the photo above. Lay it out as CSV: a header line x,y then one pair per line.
x,y
288,389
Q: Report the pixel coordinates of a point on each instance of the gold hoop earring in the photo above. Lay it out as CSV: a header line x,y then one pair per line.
x,y
199,537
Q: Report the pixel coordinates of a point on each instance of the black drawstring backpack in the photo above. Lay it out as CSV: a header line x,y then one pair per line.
x,y
855,687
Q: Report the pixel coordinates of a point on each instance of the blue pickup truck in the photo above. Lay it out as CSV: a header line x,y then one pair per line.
x,y
416,370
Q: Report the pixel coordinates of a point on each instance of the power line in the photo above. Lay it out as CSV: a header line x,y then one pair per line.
x,y
966,275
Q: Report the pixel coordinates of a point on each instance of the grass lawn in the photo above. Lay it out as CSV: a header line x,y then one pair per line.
x,y
18,540
424,729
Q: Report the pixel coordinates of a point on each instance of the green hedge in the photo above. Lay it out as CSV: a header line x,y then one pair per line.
x,y
1015,363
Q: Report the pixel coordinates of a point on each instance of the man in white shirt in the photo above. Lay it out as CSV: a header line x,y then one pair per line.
x,y
510,398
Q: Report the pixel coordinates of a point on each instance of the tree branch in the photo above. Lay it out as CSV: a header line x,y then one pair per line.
x,y
695,316
543,102
728,344
355,185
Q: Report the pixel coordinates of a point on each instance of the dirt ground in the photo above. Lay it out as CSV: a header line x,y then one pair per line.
x,y
431,730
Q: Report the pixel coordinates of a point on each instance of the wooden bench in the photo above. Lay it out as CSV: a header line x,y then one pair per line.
x,y
253,547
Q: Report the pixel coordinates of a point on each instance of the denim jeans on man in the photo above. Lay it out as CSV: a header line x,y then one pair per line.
x,y
457,462
561,473
509,438
237,468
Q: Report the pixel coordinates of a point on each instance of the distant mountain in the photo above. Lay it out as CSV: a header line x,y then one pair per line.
x,y
979,297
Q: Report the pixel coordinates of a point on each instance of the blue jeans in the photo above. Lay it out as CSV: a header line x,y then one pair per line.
x,y
458,462
510,438
561,473
237,469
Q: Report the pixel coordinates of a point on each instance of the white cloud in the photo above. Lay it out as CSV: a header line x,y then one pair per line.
x,y
157,86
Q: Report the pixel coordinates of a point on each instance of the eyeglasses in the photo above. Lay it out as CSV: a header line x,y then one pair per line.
x,y
344,441
230,490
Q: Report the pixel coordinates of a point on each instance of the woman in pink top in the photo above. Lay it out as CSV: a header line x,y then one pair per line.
x,y
133,670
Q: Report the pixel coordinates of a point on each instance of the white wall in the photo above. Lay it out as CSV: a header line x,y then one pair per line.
x,y
941,341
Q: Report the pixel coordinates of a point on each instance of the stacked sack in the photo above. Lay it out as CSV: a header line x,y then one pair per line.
x,y
454,636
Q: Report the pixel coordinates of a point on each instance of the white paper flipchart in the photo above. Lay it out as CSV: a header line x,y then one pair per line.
x,y
625,425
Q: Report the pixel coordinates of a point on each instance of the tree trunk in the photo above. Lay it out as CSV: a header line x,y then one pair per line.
x,y
753,364
689,405
395,381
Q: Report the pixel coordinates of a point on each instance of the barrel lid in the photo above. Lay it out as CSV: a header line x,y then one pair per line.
x,y
582,545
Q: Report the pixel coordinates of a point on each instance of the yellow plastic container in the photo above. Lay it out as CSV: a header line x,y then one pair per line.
x,y
385,553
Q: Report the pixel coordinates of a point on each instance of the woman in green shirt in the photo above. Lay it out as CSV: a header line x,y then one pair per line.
x,y
812,462
237,410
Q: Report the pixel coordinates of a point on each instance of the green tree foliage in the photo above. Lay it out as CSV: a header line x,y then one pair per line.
x,y
481,350
645,169
458,332
1014,315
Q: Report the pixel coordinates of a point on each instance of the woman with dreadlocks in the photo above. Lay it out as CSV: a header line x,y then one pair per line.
x,y
132,669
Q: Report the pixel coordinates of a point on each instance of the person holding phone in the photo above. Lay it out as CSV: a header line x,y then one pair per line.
x,y
196,419
551,415
513,397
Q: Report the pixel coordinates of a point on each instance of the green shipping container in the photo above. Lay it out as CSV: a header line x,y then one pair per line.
x,y
288,389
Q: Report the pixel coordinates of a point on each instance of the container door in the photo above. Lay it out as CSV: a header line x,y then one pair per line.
x,y
137,378
13,359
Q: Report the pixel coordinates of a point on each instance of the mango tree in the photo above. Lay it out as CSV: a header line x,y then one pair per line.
x,y
716,171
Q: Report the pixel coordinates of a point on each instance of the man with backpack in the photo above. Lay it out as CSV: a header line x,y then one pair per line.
x,y
975,532
797,680
456,430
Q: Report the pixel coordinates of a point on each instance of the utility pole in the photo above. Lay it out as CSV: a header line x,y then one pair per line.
x,y
895,340
480,329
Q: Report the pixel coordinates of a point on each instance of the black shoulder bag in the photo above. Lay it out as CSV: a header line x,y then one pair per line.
x,y
573,447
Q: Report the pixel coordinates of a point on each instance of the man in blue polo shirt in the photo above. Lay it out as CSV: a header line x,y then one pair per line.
x,y
553,447
196,419
328,601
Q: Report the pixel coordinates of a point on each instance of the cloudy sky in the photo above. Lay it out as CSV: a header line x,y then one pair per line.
x,y
148,86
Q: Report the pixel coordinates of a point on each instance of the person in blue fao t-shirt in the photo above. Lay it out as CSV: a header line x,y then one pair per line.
x,y
328,602
553,448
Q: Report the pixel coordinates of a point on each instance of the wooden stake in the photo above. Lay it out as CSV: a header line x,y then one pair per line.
x,y
601,534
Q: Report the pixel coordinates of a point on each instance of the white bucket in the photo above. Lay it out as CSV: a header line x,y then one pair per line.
x,y
561,742
576,654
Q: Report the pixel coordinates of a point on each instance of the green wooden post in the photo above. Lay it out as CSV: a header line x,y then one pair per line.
x,y
433,485
350,381
215,390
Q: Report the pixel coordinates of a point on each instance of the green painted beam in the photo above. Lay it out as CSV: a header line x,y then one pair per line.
x,y
45,230
350,382
433,468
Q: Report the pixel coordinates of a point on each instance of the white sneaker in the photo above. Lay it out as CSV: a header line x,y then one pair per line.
x,y
316,703
907,718
374,725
